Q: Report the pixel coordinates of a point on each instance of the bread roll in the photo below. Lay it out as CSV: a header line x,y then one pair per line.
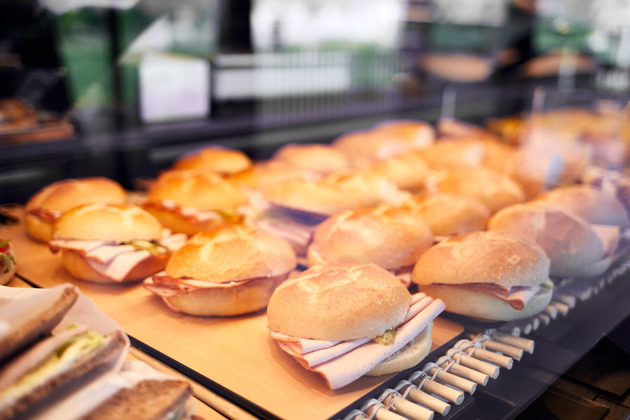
x,y
334,193
224,271
448,270
492,188
338,302
572,245
48,204
391,238
449,214
116,224
592,204
217,159
313,157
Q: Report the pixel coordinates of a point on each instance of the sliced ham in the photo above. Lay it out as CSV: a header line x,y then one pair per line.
x,y
341,363
298,235
516,296
191,214
609,235
112,260
49,216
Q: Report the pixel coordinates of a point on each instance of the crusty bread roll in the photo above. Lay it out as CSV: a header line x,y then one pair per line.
x,y
108,222
591,203
265,173
449,214
114,223
492,188
347,302
48,204
338,302
231,270
391,238
196,189
447,270
385,139
572,245
334,193
452,153
407,170
314,157
178,199
214,159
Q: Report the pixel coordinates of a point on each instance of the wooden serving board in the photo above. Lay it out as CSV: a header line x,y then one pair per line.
x,y
235,353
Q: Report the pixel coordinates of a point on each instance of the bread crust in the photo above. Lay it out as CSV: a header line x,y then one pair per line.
x,y
214,159
569,241
591,203
108,222
63,195
230,253
147,400
484,306
483,257
407,357
201,190
241,298
338,302
449,214
91,362
492,188
27,329
388,237
321,158
336,192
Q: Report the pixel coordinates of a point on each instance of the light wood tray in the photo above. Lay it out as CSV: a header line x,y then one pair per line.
x,y
235,353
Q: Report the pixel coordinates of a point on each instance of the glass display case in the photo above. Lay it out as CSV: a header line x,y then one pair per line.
x,y
123,88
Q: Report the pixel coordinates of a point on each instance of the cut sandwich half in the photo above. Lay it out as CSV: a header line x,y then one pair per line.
x,y
24,320
54,363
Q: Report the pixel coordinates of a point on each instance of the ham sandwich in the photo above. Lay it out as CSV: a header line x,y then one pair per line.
x,y
115,260
342,362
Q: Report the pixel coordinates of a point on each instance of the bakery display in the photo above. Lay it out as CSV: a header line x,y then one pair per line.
x,y
392,205
224,271
342,320
491,276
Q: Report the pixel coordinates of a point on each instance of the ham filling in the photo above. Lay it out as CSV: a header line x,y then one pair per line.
x,y
48,216
192,215
609,235
342,362
516,296
112,260
166,286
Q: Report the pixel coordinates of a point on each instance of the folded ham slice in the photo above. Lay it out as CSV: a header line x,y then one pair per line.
x,y
516,296
609,235
342,362
115,261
